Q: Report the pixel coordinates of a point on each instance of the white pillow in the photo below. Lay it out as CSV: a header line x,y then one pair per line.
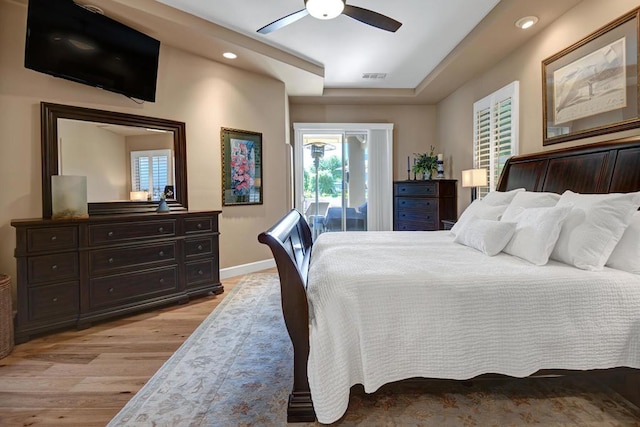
x,y
497,198
593,227
626,254
529,199
536,233
478,209
485,235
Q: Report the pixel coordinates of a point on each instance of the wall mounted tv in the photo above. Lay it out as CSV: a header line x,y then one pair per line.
x,y
72,42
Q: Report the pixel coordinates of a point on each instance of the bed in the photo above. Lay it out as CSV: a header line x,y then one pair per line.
x,y
352,300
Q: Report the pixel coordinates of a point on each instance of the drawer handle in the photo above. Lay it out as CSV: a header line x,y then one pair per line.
x,y
54,238
110,260
54,299
161,280
111,290
161,253
110,234
200,272
161,229
54,267
199,247
403,190
199,226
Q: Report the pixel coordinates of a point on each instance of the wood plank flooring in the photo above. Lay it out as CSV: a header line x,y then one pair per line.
x,y
83,378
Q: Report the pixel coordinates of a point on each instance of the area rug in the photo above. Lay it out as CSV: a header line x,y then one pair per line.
x,y
236,370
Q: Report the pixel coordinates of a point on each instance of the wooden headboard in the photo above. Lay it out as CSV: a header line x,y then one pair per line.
x,y
605,167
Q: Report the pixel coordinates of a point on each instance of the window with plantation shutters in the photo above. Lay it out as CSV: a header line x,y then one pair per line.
x,y
151,171
495,133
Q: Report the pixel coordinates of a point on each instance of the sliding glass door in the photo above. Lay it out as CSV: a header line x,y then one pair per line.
x,y
332,178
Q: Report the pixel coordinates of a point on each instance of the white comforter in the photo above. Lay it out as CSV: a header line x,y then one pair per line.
x,y
387,306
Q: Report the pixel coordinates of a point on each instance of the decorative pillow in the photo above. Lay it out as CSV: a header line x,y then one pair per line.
x,y
536,233
529,199
479,209
485,235
593,227
498,198
626,254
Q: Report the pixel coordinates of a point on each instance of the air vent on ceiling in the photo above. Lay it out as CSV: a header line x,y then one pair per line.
x,y
374,75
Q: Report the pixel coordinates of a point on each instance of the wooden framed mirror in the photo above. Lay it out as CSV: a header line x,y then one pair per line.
x,y
93,137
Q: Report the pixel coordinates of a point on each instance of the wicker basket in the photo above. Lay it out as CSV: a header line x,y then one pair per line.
x,y
6,316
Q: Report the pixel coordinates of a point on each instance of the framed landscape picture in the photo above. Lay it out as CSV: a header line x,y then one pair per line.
x,y
591,88
241,167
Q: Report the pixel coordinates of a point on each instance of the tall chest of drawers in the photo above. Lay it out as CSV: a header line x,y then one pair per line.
x,y
422,205
75,272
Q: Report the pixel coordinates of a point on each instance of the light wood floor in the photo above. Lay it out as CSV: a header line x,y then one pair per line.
x,y
83,378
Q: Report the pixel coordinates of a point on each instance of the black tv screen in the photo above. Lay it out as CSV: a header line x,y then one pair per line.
x,y
69,41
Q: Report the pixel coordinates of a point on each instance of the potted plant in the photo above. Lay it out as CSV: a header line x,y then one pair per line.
x,y
425,163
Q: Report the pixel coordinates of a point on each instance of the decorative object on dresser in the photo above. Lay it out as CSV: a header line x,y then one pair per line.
x,y
440,166
424,164
422,205
474,178
73,272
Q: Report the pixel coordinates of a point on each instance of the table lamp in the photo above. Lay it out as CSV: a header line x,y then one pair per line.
x,y
474,178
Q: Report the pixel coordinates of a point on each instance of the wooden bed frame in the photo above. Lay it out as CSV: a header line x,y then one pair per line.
x,y
606,167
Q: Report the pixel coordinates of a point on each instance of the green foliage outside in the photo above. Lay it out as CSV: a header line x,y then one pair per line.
x,y
329,172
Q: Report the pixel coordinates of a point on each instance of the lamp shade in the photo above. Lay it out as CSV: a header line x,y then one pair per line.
x,y
474,178
325,9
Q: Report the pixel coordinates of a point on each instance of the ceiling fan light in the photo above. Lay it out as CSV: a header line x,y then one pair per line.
x,y
325,9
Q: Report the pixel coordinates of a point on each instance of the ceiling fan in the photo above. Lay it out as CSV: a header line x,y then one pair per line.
x,y
329,9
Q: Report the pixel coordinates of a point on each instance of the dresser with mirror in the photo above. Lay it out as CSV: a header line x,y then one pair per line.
x,y
124,257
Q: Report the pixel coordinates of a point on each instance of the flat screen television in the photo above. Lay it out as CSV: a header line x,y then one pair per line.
x,y
72,42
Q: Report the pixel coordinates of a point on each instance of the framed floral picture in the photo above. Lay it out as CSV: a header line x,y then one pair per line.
x,y
241,167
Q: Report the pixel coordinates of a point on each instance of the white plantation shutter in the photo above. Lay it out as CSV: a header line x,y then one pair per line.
x,y
151,171
495,133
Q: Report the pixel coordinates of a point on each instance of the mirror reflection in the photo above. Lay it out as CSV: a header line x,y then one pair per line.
x,y
120,162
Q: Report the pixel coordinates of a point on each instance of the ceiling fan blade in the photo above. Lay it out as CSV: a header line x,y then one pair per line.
x,y
372,18
289,19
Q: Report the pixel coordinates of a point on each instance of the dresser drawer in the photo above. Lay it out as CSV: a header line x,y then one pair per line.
x,y
121,232
128,288
53,302
416,217
105,260
200,272
51,238
198,225
198,247
421,205
408,225
48,268
426,188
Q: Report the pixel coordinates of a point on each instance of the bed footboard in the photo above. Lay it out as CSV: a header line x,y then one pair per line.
x,y
290,242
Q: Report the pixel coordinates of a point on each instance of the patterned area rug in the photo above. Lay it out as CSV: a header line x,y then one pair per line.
x,y
236,370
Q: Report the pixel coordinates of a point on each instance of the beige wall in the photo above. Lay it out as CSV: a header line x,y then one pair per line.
x,y
87,150
205,95
414,129
455,113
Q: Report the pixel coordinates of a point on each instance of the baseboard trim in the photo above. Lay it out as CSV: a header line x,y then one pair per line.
x,y
240,270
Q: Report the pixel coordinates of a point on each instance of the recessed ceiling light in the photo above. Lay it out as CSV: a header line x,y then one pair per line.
x,y
526,22
230,55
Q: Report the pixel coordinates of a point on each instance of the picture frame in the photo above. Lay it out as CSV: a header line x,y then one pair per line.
x,y
591,88
241,167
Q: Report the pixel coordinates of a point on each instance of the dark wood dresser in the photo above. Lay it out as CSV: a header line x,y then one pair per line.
x,y
422,205
75,272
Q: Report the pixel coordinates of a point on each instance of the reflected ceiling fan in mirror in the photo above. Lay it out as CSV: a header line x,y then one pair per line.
x,y
329,9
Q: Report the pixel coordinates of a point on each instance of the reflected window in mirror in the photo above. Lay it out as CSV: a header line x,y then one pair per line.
x,y
151,171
